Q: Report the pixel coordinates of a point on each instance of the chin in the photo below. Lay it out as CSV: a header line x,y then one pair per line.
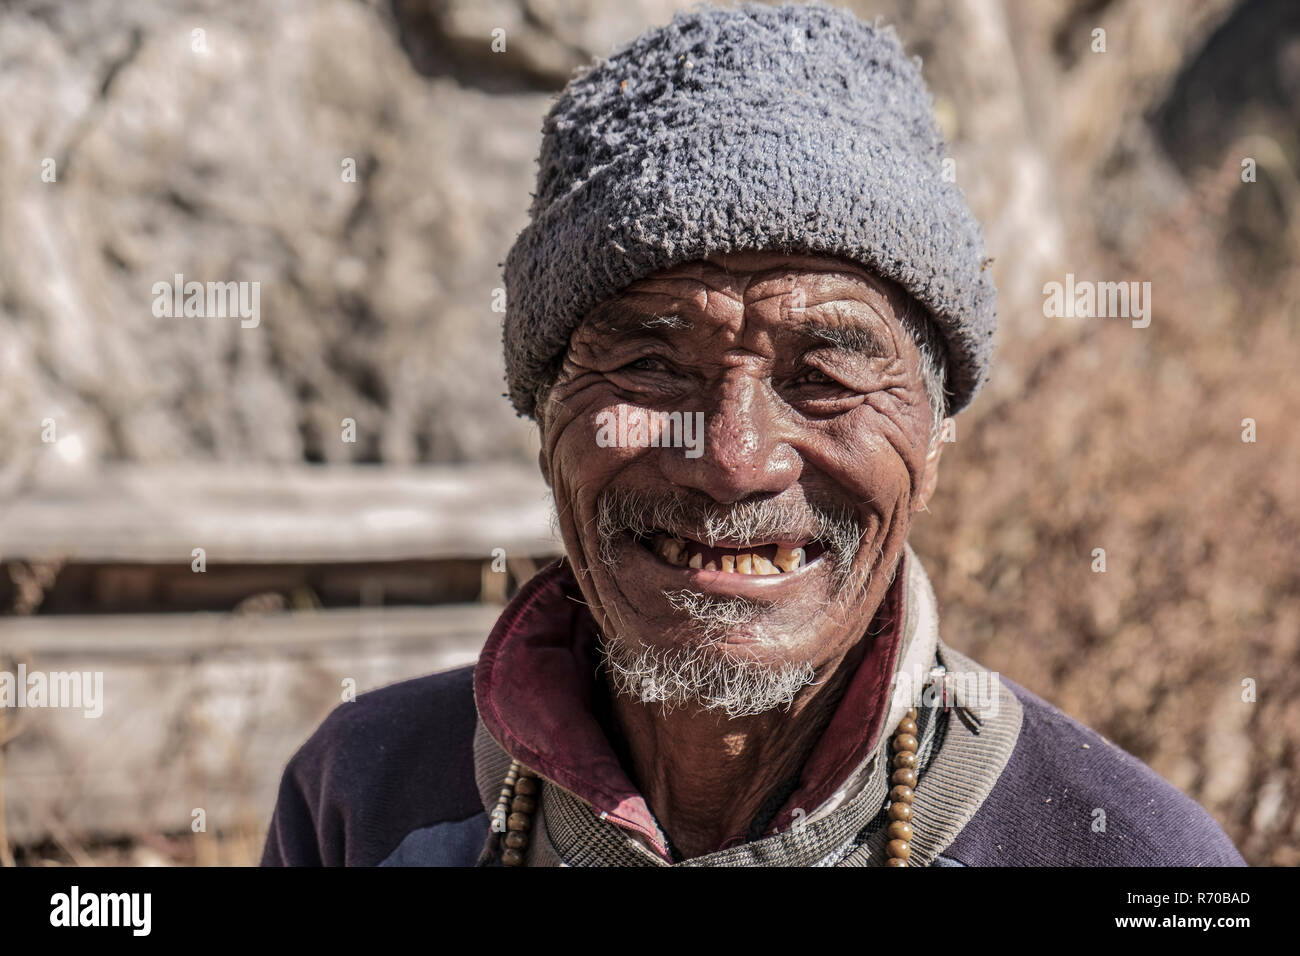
x,y
773,637
708,676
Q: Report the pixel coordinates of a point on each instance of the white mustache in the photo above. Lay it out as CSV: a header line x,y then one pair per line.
x,y
625,511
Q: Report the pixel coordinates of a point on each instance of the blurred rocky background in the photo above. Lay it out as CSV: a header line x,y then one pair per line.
x,y
1116,140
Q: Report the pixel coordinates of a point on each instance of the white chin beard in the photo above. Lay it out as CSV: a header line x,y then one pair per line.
x,y
712,615
704,677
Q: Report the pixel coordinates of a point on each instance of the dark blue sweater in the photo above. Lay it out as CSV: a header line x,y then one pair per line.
x,y
388,780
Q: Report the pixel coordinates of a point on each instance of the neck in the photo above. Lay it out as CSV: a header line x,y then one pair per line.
x,y
704,776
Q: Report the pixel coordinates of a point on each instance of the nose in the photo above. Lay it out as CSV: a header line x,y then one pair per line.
x,y
747,449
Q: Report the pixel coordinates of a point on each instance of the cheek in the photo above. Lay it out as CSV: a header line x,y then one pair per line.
x,y
601,440
874,464
586,452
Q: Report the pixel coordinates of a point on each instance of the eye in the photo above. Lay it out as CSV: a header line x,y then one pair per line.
x,y
814,376
819,394
647,363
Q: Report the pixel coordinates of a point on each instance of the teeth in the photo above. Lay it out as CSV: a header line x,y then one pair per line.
x,y
787,559
672,550
677,553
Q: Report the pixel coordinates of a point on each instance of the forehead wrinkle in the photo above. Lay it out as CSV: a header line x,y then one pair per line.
x,y
616,316
693,285
680,298
845,311
838,279
654,311
848,333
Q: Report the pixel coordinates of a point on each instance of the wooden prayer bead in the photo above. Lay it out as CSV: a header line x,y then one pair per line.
x,y
901,812
901,794
904,758
905,742
527,786
898,830
518,821
512,857
523,804
904,777
899,850
907,727
516,839
895,861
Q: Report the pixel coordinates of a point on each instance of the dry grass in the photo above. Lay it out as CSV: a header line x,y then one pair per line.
x,y
1131,440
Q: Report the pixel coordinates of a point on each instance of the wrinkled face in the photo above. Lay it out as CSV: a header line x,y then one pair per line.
x,y
735,447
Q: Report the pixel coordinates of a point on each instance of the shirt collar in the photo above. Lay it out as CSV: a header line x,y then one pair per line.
x,y
535,686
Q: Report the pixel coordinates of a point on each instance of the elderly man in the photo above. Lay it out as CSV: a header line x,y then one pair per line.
x,y
741,221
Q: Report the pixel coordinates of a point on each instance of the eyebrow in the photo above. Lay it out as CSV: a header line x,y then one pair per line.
x,y
618,316
848,338
675,322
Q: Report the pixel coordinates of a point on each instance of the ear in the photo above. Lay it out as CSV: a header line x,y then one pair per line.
x,y
544,465
929,474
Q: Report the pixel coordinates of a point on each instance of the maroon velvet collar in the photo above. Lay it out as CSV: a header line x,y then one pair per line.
x,y
535,684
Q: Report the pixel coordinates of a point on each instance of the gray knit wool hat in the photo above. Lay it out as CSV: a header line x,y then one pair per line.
x,y
787,129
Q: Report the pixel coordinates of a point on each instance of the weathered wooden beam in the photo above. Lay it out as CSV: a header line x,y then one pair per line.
x,y
291,514
200,711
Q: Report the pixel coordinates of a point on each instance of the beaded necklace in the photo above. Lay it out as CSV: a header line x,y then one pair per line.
x,y
520,792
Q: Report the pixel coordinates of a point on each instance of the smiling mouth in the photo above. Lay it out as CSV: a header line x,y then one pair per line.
x,y
772,558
